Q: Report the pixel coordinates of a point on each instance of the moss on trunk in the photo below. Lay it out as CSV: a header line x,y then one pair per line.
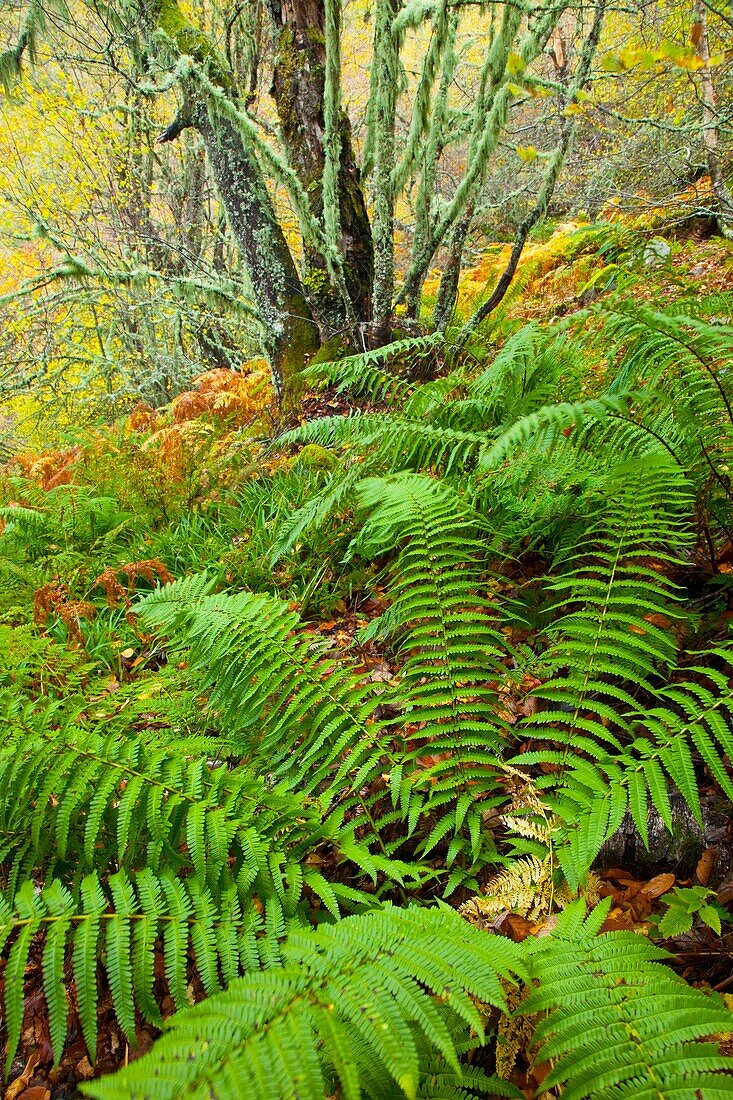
x,y
299,90
290,335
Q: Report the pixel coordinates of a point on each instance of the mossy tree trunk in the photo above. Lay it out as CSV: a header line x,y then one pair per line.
x,y
299,90
290,334
289,331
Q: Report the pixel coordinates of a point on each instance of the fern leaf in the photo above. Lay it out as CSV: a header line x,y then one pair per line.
x,y
619,1022
86,941
373,977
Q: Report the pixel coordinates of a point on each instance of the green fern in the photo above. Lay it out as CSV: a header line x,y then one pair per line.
x,y
452,659
366,373
120,924
294,726
611,649
619,1025
361,1003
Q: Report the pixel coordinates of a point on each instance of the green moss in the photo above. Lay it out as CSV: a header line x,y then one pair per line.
x,y
335,348
298,343
314,457
316,280
193,42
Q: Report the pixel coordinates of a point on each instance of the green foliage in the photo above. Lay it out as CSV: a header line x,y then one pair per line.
x,y
684,904
618,1023
361,1004
119,922
241,824
609,488
375,372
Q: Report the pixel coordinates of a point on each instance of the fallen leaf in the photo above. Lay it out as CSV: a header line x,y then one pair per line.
x,y
661,621
516,928
618,920
617,874
546,927
658,885
16,1087
35,1092
381,674
84,1069
705,865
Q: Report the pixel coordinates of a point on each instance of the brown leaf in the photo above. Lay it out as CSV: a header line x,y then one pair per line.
x,y
516,928
381,673
84,1069
662,621
16,1087
35,1092
546,927
704,866
540,1071
618,920
658,885
617,874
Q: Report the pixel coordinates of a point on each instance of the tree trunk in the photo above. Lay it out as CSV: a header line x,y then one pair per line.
x,y
448,290
386,63
290,335
299,82
723,198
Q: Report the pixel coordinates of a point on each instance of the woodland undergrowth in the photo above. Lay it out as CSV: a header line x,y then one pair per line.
x,y
318,737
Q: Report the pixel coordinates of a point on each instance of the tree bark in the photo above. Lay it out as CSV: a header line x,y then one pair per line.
x,y
723,198
386,63
290,335
299,92
448,289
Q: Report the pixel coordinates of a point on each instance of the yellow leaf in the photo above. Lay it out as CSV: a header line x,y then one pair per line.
x,y
514,64
611,63
526,152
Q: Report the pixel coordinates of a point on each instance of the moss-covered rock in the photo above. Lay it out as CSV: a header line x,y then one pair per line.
x,y
315,457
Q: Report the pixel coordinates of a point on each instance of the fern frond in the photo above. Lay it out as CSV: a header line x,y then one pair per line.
x,y
295,724
119,926
522,376
547,425
620,1024
315,511
123,801
452,654
352,1003
395,442
309,723
366,372
613,642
